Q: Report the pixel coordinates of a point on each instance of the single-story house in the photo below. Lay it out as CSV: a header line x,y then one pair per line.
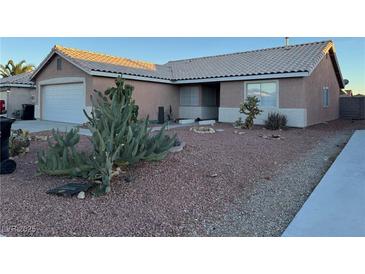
x,y
17,90
301,81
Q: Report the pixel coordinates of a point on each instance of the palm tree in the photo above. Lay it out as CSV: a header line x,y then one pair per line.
x,y
13,69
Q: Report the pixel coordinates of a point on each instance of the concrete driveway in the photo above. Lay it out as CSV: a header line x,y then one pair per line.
x,y
336,207
38,125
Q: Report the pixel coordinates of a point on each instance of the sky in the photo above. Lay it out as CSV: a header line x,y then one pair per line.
x,y
350,51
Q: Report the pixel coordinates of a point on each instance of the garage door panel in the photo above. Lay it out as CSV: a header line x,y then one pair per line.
x,y
64,103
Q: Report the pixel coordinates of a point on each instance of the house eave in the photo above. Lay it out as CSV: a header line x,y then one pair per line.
x,y
244,78
16,86
129,77
204,80
338,71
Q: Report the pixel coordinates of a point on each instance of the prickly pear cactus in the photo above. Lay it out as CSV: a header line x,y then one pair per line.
x,y
62,158
118,139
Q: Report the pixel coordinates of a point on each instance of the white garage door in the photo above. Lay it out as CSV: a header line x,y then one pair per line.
x,y
63,103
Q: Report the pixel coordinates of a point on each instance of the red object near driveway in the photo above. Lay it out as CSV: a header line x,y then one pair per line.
x,y
2,107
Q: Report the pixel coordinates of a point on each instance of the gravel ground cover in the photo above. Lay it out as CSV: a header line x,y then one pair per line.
x,y
222,184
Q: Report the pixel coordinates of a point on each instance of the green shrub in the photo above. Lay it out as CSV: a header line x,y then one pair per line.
x,y
251,109
275,121
19,142
239,123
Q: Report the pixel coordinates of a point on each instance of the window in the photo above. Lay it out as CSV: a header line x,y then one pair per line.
x,y
189,96
266,92
325,98
59,64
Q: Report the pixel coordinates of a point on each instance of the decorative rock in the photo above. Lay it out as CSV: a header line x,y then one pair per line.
x,y
177,142
177,148
116,172
81,195
203,130
213,175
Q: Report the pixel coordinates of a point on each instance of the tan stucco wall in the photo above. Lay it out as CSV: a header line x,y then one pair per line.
x,y
16,97
231,94
323,75
291,93
68,70
148,95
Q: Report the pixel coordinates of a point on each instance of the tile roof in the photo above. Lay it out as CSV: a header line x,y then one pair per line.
x,y
160,71
91,61
20,79
286,59
104,58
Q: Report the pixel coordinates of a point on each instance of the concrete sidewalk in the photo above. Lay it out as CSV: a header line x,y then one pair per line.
x,y
41,125
337,205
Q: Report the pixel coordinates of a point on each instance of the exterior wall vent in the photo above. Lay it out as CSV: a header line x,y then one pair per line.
x,y
59,63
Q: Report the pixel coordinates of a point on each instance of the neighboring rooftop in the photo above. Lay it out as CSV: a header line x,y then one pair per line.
x,y
20,80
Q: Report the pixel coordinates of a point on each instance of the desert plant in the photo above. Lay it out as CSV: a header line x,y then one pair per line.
x,y
19,142
275,121
239,123
118,139
250,109
126,91
158,145
62,158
